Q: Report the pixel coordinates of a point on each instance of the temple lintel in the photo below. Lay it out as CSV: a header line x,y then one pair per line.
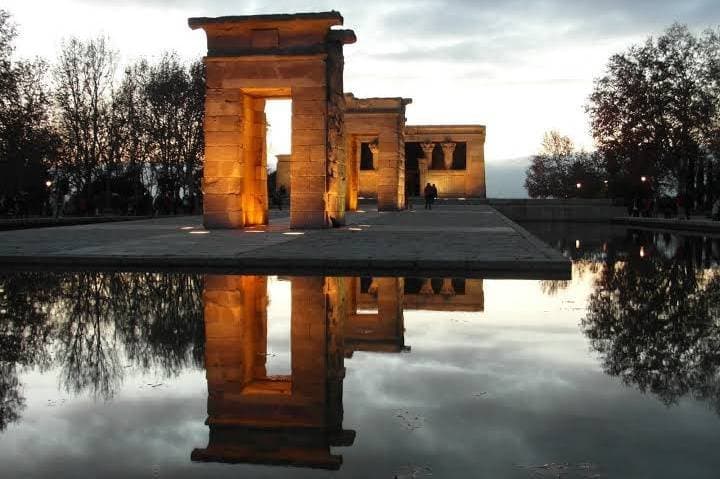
x,y
284,34
332,18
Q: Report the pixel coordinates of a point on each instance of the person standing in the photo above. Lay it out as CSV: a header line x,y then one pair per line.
x,y
428,193
434,194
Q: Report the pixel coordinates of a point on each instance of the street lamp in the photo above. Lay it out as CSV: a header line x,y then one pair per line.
x,y
579,185
48,183
643,179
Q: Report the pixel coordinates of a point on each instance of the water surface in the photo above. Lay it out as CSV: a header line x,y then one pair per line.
x,y
612,374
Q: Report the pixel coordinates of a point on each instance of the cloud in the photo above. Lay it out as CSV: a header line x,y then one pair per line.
x,y
518,66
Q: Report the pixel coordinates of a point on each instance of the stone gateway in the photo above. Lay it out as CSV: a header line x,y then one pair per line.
x,y
342,147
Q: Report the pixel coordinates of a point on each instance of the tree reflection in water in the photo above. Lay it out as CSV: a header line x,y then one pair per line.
x,y
25,336
654,315
85,322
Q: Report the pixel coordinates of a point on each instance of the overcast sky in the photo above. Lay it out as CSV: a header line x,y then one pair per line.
x,y
518,67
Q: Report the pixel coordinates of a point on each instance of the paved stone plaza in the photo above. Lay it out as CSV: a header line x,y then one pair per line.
x,y
462,241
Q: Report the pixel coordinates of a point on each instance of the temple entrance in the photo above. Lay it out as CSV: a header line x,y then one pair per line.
x,y
413,153
375,151
250,60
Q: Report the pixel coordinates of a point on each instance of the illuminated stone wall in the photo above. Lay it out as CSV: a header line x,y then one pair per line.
x,y
379,122
282,173
433,294
381,331
253,418
469,182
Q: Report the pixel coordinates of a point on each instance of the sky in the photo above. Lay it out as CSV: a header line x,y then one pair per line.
x,y
519,67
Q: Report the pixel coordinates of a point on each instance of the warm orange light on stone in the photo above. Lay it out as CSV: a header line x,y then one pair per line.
x,y
379,122
282,173
250,59
383,331
253,418
450,183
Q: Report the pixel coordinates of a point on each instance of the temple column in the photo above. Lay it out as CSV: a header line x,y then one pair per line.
x,y
375,150
424,164
447,287
426,288
373,288
448,148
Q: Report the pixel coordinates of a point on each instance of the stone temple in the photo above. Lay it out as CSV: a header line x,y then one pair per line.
x,y
342,147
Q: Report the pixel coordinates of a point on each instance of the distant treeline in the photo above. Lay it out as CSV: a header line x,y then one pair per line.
x,y
126,142
655,119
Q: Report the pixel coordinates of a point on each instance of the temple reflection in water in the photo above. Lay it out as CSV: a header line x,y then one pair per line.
x,y
294,420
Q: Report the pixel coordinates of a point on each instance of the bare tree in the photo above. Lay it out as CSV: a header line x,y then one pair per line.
x,y
173,116
560,171
27,141
83,95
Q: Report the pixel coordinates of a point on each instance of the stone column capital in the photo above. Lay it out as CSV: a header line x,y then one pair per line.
x,y
426,288
448,148
375,150
447,287
373,288
427,148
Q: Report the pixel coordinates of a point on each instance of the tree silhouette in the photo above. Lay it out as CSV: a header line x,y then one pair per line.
x,y
86,323
558,169
25,336
654,113
656,323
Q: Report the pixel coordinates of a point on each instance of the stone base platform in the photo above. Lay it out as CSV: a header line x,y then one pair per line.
x,y
462,241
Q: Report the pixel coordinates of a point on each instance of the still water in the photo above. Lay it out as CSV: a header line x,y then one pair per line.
x,y
614,374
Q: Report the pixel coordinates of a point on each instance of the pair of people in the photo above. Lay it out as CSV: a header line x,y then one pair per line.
x,y
431,194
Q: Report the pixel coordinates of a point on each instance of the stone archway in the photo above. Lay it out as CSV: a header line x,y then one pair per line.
x,y
251,59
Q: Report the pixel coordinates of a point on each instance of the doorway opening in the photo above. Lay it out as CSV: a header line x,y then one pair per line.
x,y
278,141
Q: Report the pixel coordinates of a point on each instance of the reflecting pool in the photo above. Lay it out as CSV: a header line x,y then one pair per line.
x,y
615,373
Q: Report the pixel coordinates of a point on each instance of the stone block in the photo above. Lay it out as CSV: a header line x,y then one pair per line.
x,y
265,38
223,153
310,93
223,94
307,220
308,107
223,107
224,282
318,152
309,122
223,123
223,138
222,185
307,202
216,202
222,296
305,137
222,169
223,375
310,184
